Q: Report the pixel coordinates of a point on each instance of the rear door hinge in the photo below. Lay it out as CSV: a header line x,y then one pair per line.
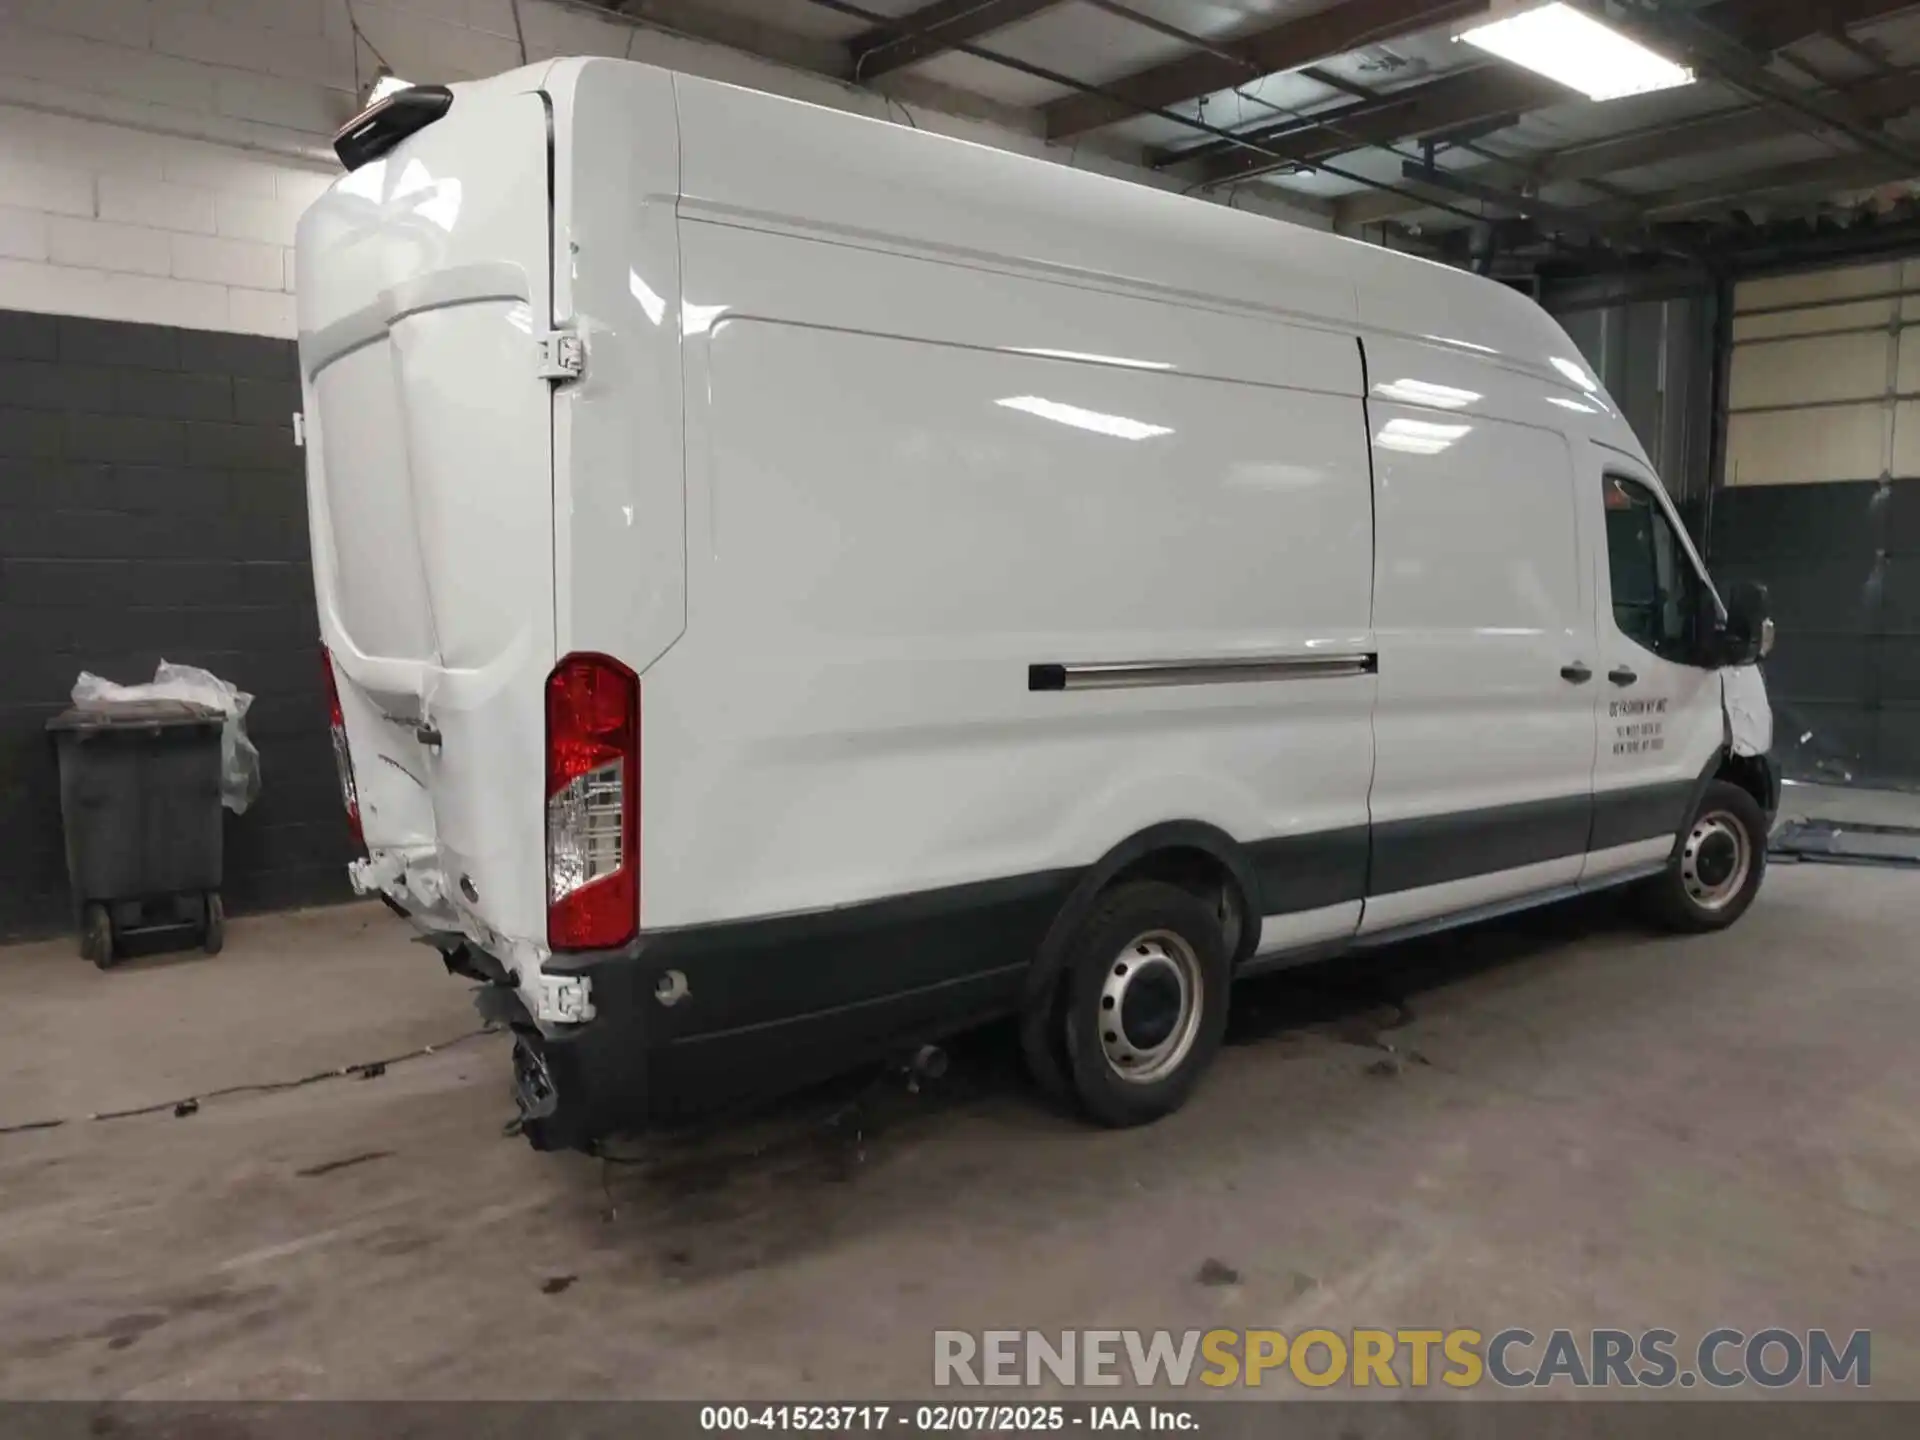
x,y
562,356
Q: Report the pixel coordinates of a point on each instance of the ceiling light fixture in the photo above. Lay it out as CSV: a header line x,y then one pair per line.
x,y
1572,47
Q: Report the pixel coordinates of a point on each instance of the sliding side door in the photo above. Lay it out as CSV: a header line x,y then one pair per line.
x,y
1483,615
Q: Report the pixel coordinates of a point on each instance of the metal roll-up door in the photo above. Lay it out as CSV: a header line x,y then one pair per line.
x,y
1821,501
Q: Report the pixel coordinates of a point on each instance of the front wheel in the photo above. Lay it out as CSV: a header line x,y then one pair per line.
x,y
1717,865
1145,1008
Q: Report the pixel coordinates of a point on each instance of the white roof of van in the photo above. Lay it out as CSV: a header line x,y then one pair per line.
x,y
858,178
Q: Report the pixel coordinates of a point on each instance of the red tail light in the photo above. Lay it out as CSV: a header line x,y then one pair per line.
x,y
593,804
342,757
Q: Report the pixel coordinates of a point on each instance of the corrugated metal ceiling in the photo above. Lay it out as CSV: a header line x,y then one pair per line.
x,y
1383,89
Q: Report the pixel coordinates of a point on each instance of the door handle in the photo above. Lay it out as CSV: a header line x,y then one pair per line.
x,y
1576,673
1621,675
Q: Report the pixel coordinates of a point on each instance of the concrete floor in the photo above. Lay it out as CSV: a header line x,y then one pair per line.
x,y
1577,1125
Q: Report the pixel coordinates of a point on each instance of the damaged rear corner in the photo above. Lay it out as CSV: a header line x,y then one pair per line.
x,y
414,886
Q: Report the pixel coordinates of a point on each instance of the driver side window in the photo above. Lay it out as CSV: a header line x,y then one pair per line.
x,y
1655,591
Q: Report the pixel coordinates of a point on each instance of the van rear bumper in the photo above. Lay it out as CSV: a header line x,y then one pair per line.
x,y
578,1083
687,1022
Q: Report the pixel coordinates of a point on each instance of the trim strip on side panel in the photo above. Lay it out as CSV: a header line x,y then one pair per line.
x,y
785,969
1309,872
1133,674
1436,849
1623,816
978,937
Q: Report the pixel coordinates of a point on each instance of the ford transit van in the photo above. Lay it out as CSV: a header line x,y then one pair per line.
x,y
795,587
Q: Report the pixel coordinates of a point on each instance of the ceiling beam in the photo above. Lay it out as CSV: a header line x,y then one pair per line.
x,y
1277,125
1715,54
1438,104
1783,245
1290,45
1620,223
1830,173
1625,232
934,29
1444,104
1768,25
1882,99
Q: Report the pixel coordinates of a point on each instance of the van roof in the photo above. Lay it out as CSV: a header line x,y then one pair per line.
x,y
745,150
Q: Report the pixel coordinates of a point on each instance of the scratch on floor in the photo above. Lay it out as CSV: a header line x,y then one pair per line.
x,y
327,1167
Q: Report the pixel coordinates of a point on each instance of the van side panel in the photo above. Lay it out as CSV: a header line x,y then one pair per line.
x,y
886,533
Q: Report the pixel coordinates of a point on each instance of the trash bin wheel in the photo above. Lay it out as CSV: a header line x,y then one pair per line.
x,y
213,933
96,935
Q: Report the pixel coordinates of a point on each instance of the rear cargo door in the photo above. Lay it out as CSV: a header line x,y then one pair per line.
x,y
424,292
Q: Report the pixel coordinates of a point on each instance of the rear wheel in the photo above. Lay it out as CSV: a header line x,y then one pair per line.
x,y
1717,869
213,934
1145,1001
96,935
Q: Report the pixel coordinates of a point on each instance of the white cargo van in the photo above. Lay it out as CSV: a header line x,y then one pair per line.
x,y
796,587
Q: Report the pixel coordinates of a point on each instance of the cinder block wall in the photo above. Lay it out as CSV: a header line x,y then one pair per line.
x,y
154,154
152,506
121,225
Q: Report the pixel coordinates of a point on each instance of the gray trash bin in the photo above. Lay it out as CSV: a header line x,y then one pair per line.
x,y
140,801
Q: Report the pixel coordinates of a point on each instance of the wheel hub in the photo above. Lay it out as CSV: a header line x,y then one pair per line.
x,y
1150,1007
1715,860
1718,856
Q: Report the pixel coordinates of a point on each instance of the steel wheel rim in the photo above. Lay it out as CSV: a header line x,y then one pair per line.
x,y
1715,860
1150,1004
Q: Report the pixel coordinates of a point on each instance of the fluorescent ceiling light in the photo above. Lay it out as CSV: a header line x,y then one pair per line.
x,y
1579,51
385,85
1118,426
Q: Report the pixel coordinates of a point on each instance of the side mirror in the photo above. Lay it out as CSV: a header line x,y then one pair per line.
x,y
1748,633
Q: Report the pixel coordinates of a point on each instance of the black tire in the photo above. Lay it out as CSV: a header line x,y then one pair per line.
x,y
96,935
1704,886
213,933
1043,1046
1143,951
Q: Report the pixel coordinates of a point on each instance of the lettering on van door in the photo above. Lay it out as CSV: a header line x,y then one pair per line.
x,y
1639,725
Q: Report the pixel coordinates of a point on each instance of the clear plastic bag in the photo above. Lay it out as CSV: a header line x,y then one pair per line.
x,y
239,761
